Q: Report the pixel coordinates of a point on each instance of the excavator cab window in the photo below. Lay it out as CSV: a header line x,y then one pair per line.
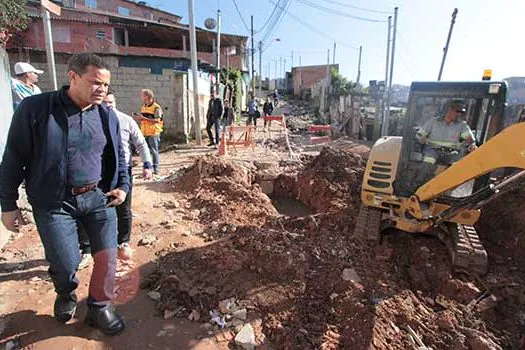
x,y
484,110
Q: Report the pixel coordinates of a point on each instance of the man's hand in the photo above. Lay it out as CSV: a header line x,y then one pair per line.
x,y
147,174
117,197
12,220
472,147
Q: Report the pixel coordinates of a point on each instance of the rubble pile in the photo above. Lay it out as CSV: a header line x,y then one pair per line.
x,y
222,192
330,181
315,286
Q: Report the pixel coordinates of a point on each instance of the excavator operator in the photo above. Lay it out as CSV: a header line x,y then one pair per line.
x,y
446,139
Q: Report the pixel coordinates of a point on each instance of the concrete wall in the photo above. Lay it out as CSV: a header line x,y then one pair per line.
x,y
170,88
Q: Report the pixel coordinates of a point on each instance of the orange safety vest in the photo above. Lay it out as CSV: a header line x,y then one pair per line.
x,y
153,127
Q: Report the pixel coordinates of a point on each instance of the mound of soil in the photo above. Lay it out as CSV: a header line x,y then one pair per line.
x,y
315,286
329,182
222,192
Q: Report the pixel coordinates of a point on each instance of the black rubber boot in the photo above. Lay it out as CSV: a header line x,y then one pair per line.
x,y
106,319
65,307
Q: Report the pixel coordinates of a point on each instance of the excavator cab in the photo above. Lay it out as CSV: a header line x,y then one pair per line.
x,y
448,205
484,103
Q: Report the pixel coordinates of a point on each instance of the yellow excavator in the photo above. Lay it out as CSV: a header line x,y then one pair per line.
x,y
447,205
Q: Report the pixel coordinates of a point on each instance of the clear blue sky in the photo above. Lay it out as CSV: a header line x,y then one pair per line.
x,y
488,35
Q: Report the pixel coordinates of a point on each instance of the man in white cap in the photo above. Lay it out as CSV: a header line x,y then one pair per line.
x,y
24,84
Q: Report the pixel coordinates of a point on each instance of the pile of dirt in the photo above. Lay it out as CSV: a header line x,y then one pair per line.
x,y
222,192
331,181
315,286
502,230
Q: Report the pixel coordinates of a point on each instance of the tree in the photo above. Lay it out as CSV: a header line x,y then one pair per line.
x,y
13,18
340,85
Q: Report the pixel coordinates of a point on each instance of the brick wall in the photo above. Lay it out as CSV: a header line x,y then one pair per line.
x,y
170,88
305,77
135,10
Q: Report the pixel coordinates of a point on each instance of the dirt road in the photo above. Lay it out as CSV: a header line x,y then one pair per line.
x,y
219,260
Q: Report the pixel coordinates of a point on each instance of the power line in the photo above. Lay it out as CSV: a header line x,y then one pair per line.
x,y
276,22
315,30
240,15
338,13
268,20
358,8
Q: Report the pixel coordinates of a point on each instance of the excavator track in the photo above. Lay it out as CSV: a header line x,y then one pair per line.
x,y
464,246
368,225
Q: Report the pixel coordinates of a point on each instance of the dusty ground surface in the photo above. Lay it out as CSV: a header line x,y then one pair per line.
x,y
222,256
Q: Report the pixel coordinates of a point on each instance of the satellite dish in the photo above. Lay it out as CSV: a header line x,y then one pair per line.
x,y
210,23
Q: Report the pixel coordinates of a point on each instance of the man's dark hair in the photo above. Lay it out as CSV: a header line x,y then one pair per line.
x,y
78,63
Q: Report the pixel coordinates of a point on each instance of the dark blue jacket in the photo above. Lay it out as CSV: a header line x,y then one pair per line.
x,y
36,151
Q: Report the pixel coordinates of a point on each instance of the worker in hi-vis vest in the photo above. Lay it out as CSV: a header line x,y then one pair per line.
x,y
151,124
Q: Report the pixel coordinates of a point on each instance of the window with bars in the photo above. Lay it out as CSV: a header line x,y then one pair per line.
x,y
61,34
101,34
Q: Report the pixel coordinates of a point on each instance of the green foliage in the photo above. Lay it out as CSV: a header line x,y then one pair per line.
x,y
340,85
13,15
232,79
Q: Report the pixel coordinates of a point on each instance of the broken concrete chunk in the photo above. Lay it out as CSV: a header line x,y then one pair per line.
x,y
240,314
153,295
246,338
194,315
350,275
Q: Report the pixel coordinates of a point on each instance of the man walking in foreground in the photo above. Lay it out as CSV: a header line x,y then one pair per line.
x,y
130,135
67,148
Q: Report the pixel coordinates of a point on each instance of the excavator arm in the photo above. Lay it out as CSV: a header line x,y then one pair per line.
x,y
505,150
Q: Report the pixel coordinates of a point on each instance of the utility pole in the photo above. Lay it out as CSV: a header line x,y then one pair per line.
x,y
280,69
334,52
359,66
445,50
284,73
194,68
253,66
218,51
292,58
386,121
50,54
260,67
379,123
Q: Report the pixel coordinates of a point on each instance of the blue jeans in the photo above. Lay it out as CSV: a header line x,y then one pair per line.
x,y
153,144
212,122
57,228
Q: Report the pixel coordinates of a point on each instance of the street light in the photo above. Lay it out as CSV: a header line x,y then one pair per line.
x,y
260,63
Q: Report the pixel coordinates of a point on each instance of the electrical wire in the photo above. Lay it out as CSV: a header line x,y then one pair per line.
x,y
315,30
358,8
240,15
285,4
338,13
268,20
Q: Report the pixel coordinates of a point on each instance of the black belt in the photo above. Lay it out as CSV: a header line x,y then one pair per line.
x,y
83,189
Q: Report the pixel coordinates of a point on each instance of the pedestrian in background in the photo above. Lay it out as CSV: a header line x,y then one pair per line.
x,y
227,116
213,117
130,135
252,113
267,110
66,146
24,83
151,124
